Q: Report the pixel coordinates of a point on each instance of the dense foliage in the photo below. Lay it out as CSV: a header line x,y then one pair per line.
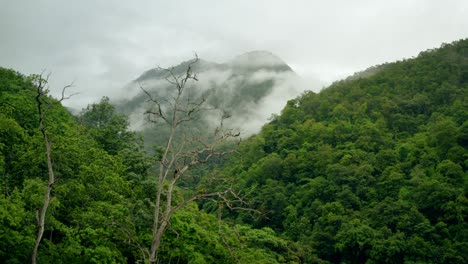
x,y
372,169
101,207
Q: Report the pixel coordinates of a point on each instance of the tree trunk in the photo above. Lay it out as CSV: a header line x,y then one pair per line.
x,y
42,215
48,145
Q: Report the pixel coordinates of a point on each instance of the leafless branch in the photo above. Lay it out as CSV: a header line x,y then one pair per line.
x,y
41,93
179,156
63,92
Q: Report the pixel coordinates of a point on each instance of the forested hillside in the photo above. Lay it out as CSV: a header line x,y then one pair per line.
x,y
101,208
372,169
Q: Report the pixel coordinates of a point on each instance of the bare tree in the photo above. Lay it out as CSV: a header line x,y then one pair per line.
x,y
42,107
180,152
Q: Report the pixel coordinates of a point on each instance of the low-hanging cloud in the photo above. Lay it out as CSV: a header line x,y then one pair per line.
x,y
286,86
249,93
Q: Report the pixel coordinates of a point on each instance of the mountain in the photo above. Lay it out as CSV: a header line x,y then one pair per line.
x,y
259,59
249,88
373,169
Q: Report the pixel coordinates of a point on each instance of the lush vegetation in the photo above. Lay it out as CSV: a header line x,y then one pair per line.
x,y
101,207
373,169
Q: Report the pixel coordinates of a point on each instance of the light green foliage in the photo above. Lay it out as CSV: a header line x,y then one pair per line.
x,y
100,211
197,237
106,126
90,193
17,232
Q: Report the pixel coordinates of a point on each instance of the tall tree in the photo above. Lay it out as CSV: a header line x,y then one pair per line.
x,y
181,152
42,106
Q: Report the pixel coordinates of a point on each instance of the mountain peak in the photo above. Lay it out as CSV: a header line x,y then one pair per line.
x,y
200,66
259,58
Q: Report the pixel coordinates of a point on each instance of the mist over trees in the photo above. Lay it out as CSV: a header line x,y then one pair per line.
x,y
248,88
373,169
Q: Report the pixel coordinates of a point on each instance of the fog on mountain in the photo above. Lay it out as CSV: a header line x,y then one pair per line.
x,y
250,88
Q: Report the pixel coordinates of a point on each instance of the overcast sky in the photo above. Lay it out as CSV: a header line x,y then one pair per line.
x,y
102,45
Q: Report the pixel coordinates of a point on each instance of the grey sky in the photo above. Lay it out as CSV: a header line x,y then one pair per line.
x,y
103,45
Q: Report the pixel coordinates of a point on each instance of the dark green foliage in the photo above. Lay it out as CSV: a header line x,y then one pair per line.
x,y
373,168
101,209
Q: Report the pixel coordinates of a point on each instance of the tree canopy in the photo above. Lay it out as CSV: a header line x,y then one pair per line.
x,y
372,169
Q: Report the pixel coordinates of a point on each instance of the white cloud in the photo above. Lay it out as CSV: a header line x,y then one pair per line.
x,y
103,44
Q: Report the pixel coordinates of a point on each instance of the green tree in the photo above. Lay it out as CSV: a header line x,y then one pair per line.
x,y
109,128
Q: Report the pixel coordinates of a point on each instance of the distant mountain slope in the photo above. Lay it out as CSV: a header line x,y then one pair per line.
x,y
372,169
249,88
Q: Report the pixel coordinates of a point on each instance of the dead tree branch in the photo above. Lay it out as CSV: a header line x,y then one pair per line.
x,y
180,155
41,95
